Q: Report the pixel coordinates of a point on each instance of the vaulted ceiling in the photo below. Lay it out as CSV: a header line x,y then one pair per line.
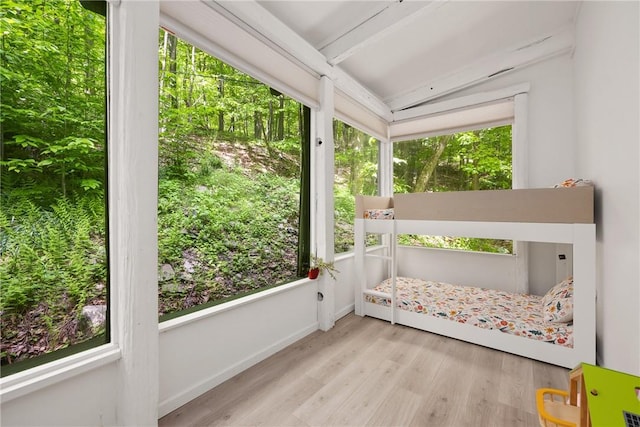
x,y
407,53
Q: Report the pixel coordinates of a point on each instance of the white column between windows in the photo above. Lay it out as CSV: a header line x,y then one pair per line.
x,y
133,181
385,168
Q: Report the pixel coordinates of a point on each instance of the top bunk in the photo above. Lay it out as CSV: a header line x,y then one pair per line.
x,y
541,214
568,205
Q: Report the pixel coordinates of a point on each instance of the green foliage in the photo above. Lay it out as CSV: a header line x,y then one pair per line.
x,y
356,167
225,233
322,266
52,66
474,160
55,255
462,243
202,96
52,263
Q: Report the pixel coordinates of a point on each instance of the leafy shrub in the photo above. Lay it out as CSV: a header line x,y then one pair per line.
x,y
51,254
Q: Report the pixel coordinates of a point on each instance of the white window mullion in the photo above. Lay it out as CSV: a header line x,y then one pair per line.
x,y
385,169
133,198
322,187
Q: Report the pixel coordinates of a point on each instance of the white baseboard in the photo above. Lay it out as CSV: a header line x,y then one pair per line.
x,y
346,310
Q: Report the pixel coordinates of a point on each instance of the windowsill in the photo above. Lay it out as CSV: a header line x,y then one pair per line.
x,y
25,382
170,324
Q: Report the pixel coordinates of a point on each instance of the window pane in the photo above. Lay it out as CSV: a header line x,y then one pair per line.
x,y
356,172
53,257
229,186
473,160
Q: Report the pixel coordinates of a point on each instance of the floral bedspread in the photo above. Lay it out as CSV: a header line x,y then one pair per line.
x,y
516,314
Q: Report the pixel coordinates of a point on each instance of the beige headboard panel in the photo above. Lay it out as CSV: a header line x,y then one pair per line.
x,y
372,202
552,205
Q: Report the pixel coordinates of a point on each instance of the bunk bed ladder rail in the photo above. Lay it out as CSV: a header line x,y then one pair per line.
x,y
393,248
390,245
359,252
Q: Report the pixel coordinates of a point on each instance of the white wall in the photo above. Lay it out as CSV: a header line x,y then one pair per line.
x,y
83,400
606,69
343,287
551,129
494,271
551,137
202,350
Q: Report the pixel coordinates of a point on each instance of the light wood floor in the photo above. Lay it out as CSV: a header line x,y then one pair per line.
x,y
366,371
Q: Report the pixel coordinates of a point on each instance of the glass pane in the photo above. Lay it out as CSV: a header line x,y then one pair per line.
x,y
472,160
229,181
356,172
53,257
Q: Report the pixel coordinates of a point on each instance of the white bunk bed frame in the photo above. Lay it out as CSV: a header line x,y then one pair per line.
x,y
581,236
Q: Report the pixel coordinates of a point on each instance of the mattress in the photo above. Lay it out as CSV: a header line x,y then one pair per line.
x,y
515,314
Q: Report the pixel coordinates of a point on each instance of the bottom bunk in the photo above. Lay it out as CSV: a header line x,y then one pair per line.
x,y
537,327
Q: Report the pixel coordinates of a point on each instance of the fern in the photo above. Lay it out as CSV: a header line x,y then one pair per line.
x,y
56,255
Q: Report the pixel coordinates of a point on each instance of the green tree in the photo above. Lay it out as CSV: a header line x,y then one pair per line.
x,y
473,160
53,96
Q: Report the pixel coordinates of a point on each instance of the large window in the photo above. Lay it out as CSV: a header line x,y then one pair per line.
x,y
229,209
471,160
356,172
53,257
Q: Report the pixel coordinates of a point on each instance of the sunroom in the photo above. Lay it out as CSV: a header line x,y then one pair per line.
x,y
563,75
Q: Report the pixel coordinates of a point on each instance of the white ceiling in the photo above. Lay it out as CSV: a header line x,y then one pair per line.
x,y
410,52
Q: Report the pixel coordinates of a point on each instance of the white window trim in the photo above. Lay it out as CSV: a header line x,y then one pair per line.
x,y
204,313
519,147
45,375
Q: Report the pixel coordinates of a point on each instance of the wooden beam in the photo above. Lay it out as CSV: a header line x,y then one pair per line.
x,y
393,17
535,50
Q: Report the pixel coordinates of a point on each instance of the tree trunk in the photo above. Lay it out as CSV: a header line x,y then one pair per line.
x,y
172,45
422,179
192,77
269,133
163,61
221,111
280,119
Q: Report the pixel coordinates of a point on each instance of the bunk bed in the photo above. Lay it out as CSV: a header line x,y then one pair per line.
x,y
555,215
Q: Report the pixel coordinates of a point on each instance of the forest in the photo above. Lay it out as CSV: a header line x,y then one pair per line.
x,y
229,183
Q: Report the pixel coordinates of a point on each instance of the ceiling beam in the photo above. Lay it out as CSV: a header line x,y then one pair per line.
x,y
258,21
391,18
438,107
536,50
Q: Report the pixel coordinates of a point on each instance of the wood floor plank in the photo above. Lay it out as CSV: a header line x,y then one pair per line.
x,y
358,408
515,389
418,378
341,351
318,409
277,407
366,371
398,409
450,387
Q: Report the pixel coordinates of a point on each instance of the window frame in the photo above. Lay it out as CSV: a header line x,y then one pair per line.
x,y
518,94
10,375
